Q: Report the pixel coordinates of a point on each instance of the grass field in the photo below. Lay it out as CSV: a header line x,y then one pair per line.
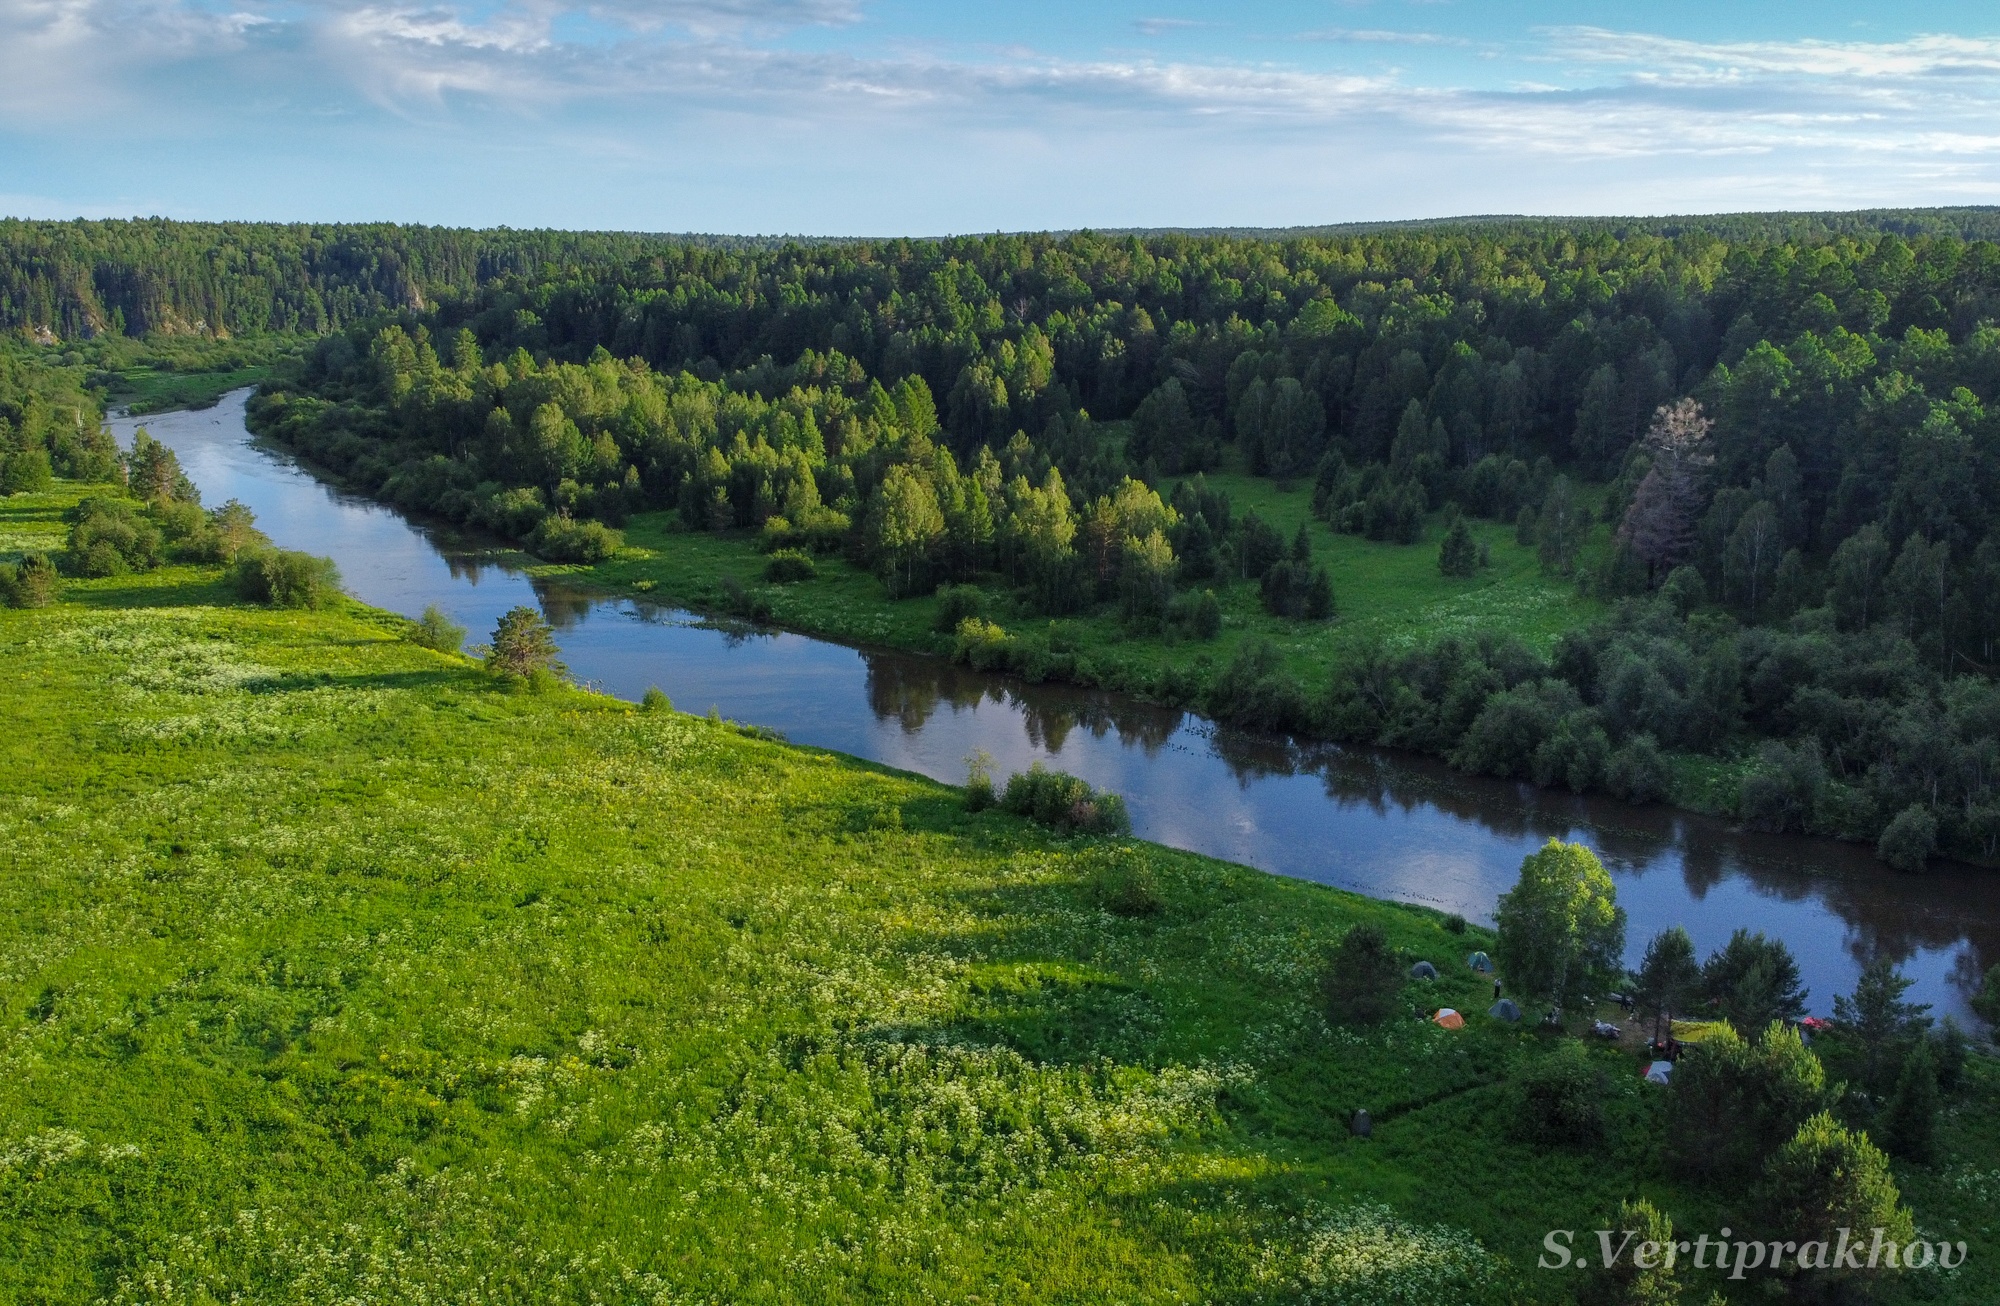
x,y
1390,593
334,971
141,390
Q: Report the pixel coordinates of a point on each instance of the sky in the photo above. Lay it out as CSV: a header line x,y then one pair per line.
x,y
890,117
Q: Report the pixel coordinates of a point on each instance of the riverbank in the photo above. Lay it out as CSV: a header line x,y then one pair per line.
x,y
460,991
1393,599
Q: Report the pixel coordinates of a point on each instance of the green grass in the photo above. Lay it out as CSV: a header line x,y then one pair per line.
x,y
1390,593
332,970
141,390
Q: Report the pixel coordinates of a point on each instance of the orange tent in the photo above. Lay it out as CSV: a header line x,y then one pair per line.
x,y
1449,1019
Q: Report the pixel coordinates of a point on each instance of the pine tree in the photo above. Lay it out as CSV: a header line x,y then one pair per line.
x,y
1458,555
1909,1122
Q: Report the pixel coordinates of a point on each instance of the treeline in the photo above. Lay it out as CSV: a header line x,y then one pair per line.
x,y
151,276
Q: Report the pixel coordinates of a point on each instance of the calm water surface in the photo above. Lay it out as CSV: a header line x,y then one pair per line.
x,y
1386,825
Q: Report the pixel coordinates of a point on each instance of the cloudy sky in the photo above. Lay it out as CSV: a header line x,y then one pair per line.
x,y
895,117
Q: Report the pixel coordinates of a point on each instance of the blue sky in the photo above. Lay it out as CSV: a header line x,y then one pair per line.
x,y
890,117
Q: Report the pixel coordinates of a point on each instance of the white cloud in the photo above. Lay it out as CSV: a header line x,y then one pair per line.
x,y
1378,36
1664,58
1161,26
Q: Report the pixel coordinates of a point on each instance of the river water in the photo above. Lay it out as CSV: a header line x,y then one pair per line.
x,y
1391,826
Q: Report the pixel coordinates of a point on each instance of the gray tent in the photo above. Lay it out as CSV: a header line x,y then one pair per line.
x,y
1480,962
1505,1010
1423,970
1361,1126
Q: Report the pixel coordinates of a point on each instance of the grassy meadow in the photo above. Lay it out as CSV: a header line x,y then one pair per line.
x,y
333,970
1388,593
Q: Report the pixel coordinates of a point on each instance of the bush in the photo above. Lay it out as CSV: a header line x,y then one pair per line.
x,y
27,473
981,644
655,700
955,604
1561,1099
789,566
564,539
979,782
109,537
1910,839
1361,977
1125,885
1626,1282
29,584
1255,690
1198,616
434,630
1986,1002
1638,771
1063,802
284,578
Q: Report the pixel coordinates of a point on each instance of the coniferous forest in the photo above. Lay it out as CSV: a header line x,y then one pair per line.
x,y
1763,444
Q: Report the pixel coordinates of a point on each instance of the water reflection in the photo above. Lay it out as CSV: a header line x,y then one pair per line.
x,y
1388,825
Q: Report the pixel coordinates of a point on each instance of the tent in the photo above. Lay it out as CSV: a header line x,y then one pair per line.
x,y
1505,1010
1361,1126
1659,1072
1480,962
1449,1019
1423,970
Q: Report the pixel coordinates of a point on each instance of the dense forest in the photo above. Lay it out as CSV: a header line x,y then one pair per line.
x,y
1783,427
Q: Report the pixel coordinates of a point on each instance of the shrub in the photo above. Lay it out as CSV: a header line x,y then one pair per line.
x,y
655,700
29,584
434,630
789,566
955,604
1511,726
1198,616
980,644
1063,802
516,512
1454,924
1561,1098
1124,884
1685,589
979,781
1361,977
109,537
1626,1282
564,539
1910,839
27,473
1987,1001
1638,771
1577,754
523,645
1255,690
284,578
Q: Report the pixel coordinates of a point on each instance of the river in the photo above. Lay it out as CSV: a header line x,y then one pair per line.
x,y
1387,825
